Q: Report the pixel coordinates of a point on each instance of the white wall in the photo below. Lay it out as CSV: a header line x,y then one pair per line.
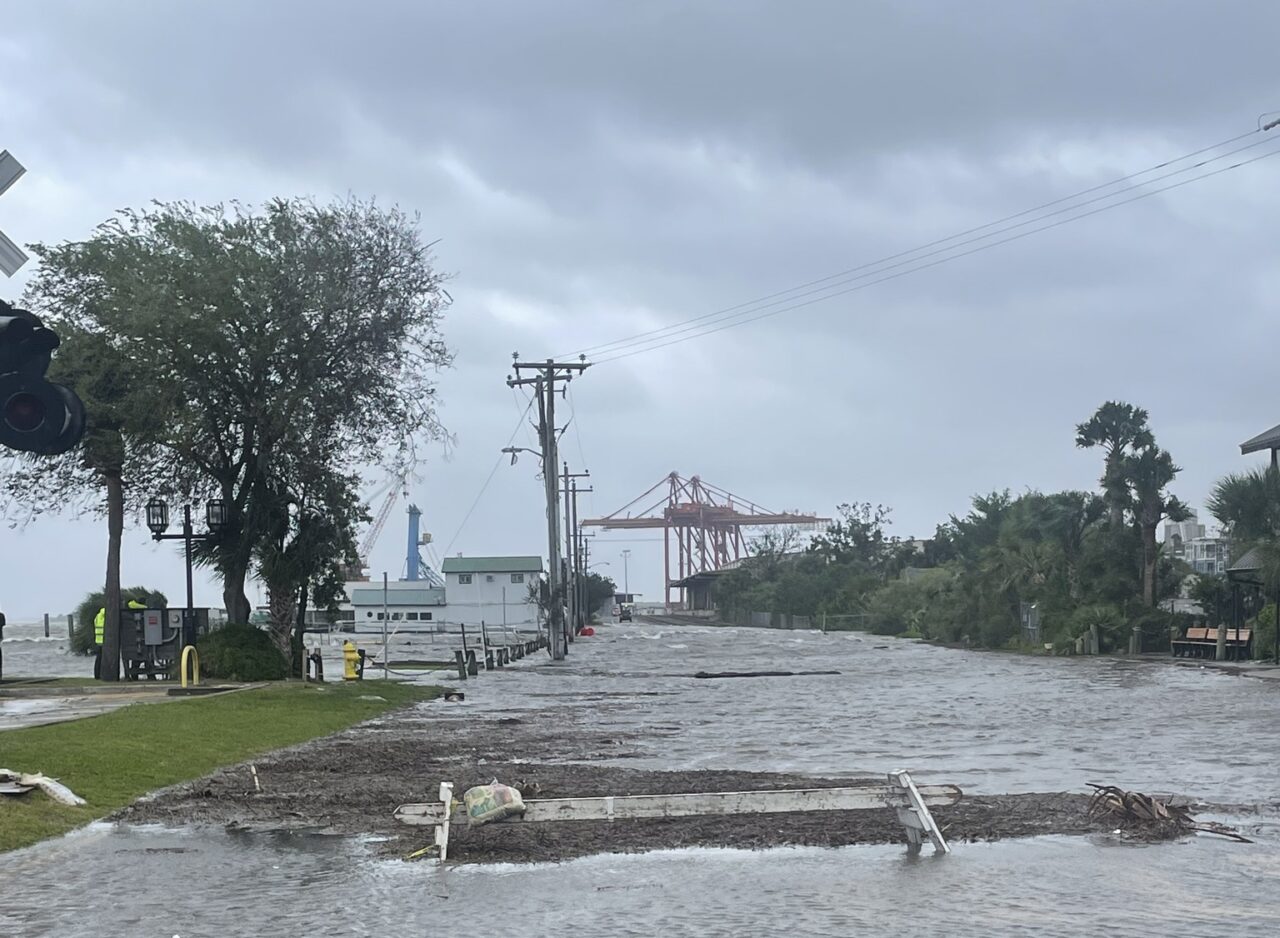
x,y
482,600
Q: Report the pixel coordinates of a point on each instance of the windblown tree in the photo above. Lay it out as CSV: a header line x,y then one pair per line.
x,y
1149,472
1248,505
277,338
1121,430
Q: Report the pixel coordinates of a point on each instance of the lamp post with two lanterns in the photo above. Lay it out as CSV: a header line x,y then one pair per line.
x,y
215,514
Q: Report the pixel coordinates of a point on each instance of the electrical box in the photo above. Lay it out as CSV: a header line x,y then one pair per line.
x,y
153,626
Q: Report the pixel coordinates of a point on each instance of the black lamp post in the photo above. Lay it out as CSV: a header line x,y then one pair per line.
x,y
215,514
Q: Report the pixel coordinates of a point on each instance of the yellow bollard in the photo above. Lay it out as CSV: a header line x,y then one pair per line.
x,y
190,654
350,661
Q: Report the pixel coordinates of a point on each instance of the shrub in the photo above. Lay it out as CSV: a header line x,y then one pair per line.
x,y
241,653
82,636
1112,630
1264,633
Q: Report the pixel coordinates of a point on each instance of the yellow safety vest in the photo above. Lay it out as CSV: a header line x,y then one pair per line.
x,y
99,626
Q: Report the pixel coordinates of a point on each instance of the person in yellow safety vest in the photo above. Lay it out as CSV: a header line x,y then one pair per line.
x,y
100,632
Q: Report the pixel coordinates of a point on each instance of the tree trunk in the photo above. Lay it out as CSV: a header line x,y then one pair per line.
x,y
233,597
282,606
1149,564
110,654
1073,580
297,665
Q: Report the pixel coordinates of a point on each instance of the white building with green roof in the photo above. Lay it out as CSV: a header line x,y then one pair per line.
x,y
489,590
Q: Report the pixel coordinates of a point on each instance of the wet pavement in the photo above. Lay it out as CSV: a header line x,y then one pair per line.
x,y
989,722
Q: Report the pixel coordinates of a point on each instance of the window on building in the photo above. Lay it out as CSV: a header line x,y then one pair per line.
x,y
395,616
517,578
464,579
346,615
411,616
426,617
379,617
489,578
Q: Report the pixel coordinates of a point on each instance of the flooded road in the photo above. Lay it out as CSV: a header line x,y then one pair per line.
x,y
989,722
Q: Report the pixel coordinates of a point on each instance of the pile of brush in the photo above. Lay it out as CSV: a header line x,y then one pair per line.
x,y
1148,818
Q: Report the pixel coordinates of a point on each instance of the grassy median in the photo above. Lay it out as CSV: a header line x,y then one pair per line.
x,y
112,759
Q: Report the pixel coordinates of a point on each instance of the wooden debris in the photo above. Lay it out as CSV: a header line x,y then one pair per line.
x,y
1136,814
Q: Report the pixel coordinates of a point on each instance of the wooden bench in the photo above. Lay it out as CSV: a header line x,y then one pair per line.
x,y
1203,643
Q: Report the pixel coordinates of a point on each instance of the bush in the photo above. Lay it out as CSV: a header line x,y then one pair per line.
x,y
1156,624
1264,633
1112,629
82,636
241,653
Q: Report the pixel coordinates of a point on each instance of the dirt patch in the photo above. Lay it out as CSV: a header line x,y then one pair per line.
x,y
351,782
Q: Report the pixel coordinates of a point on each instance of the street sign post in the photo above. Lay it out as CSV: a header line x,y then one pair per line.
x,y
12,257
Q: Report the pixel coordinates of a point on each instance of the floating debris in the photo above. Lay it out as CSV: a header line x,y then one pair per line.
x,y
19,783
1149,818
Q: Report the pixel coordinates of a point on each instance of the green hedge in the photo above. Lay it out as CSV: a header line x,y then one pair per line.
x,y
241,653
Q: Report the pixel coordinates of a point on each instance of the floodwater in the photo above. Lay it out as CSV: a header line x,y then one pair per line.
x,y
988,722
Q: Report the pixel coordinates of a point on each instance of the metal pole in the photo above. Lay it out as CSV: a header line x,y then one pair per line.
x,y
626,580
188,619
385,615
46,625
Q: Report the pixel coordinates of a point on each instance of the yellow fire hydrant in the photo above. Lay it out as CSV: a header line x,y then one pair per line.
x,y
350,661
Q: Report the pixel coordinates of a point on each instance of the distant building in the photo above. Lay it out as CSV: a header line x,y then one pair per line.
x,y
1189,542
492,590
1178,533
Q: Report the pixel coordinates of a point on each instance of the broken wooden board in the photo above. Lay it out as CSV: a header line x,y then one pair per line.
x,y
901,794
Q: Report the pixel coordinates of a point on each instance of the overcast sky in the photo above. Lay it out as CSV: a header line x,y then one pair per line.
x,y
594,170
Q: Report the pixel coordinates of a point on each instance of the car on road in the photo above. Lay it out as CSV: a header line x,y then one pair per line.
x,y
625,614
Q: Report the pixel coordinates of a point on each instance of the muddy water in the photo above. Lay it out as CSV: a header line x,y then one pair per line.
x,y
988,722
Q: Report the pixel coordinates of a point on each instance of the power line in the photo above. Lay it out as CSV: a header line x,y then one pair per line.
x,y
746,316
488,479
916,254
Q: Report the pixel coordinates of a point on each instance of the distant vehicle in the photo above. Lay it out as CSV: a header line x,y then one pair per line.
x,y
617,610
625,614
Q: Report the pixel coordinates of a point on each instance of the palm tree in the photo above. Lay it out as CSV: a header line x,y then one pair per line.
x,y
1248,505
1121,430
1149,471
1067,518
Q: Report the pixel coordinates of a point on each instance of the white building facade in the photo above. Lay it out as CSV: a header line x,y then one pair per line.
x,y
493,590
489,590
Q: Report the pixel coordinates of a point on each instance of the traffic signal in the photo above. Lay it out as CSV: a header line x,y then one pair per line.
x,y
36,415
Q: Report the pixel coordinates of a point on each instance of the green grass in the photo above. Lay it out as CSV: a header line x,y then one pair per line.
x,y
112,759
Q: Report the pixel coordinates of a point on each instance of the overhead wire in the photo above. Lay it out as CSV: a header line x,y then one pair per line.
x,y
765,311
488,479
657,338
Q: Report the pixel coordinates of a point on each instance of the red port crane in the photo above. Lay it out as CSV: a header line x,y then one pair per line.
x,y
705,521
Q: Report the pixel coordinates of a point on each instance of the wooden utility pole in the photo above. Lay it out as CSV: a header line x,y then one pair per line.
x,y
546,375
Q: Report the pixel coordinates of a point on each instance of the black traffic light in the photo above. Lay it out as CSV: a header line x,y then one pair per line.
x,y
36,415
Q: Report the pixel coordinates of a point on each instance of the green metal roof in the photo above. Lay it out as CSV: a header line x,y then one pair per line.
x,y
492,565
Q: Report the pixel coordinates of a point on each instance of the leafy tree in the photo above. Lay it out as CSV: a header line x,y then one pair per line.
x,y
292,334
1150,471
1067,518
600,592
1121,430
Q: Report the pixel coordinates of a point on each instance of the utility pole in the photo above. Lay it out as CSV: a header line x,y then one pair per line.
x,y
626,581
544,380
580,564
570,545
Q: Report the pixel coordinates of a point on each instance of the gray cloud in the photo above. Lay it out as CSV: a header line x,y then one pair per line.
x,y
596,170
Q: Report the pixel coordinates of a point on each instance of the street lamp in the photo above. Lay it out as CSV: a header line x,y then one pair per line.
x,y
215,516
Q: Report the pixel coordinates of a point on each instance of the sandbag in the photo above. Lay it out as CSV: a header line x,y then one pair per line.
x,y
492,802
